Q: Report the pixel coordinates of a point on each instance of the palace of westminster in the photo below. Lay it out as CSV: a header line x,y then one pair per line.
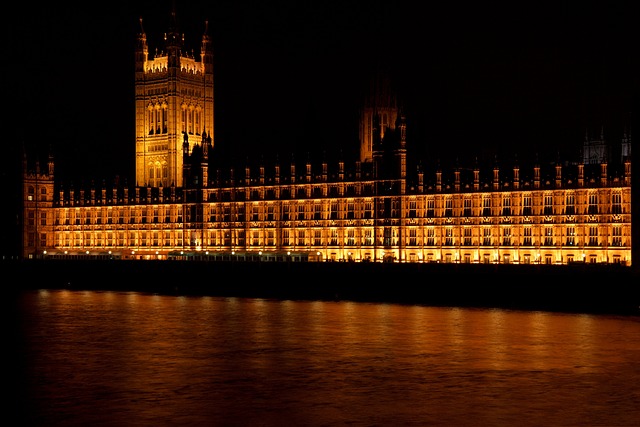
x,y
375,210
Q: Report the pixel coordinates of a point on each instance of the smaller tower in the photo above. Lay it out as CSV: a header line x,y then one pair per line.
x,y
37,201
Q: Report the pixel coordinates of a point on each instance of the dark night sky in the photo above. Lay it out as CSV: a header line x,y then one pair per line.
x,y
477,78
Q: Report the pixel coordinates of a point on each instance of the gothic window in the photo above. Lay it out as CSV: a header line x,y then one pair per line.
x,y
157,119
431,236
548,204
412,208
486,236
350,237
617,235
526,205
350,210
570,204
593,235
506,205
431,207
448,207
164,119
368,209
150,122
593,203
548,236
412,237
468,241
334,210
486,206
506,236
368,239
387,236
467,207
333,241
571,236
448,236
616,203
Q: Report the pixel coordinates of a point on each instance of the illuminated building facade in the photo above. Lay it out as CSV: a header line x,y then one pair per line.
x,y
371,211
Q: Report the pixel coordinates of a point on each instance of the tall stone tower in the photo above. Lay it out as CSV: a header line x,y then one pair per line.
x,y
380,104
174,104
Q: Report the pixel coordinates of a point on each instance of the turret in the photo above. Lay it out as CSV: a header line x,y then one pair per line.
x,y
206,57
558,175
476,177
173,42
141,51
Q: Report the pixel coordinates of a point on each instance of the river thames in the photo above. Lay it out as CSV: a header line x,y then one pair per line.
x,y
106,358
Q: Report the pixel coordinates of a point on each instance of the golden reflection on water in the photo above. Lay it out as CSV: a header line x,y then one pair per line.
x,y
326,361
483,339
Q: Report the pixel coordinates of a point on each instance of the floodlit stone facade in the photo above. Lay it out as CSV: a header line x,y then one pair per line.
x,y
371,211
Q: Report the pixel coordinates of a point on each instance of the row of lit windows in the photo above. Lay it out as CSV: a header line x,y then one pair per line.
x,y
160,215
191,118
485,204
334,237
488,207
157,119
115,217
158,174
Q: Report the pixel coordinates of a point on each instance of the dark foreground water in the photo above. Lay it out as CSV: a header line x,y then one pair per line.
x,y
96,358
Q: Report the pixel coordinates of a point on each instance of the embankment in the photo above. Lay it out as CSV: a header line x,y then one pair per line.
x,y
579,288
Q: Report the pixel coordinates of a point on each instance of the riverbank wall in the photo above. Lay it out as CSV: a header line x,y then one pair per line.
x,y
580,288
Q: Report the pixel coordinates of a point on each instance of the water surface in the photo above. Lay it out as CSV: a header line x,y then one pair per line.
x,y
126,358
